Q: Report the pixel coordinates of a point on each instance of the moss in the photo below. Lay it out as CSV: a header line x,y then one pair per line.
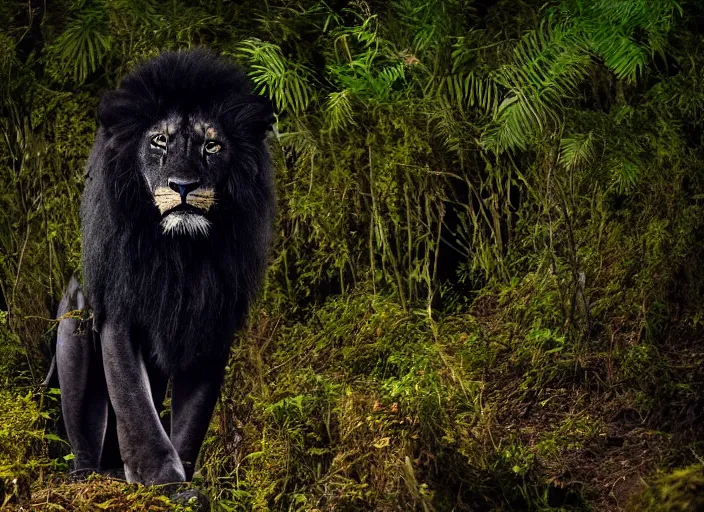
x,y
678,490
101,493
23,457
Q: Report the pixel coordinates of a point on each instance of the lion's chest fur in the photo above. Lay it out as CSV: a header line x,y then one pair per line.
x,y
184,296
191,299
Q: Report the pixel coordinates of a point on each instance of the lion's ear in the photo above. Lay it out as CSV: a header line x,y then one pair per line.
x,y
108,109
119,107
253,117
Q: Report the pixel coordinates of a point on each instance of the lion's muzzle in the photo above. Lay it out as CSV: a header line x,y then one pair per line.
x,y
167,199
183,206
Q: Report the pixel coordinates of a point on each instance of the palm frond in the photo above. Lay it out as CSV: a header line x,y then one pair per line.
x,y
85,42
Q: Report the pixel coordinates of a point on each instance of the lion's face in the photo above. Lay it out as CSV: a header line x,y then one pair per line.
x,y
183,158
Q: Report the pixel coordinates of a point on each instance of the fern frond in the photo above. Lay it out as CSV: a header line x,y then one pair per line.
x,y
576,151
624,57
338,111
548,66
625,174
444,122
300,140
469,90
615,31
287,83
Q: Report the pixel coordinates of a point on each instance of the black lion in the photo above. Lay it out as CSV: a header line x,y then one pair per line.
x,y
176,218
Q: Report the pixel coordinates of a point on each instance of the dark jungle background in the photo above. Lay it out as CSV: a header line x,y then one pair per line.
x,y
487,287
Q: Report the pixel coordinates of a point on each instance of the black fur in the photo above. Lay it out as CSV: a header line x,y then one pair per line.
x,y
166,302
183,297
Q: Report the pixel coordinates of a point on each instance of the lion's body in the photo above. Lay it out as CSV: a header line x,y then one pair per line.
x,y
167,301
188,297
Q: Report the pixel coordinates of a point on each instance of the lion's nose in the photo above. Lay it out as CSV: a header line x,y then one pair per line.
x,y
183,187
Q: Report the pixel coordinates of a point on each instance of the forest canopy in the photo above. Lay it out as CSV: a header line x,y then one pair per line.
x,y
486,289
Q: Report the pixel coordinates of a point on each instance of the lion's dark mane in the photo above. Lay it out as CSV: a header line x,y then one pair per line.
x,y
184,297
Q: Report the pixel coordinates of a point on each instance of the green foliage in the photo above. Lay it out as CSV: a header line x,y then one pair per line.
x,y
84,43
284,81
12,354
22,447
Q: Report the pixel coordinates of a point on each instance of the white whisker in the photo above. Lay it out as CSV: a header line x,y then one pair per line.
x,y
178,223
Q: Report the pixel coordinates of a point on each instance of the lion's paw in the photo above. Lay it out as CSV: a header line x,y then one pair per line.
x,y
191,498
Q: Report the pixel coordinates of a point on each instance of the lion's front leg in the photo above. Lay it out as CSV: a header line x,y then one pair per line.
x,y
193,398
146,450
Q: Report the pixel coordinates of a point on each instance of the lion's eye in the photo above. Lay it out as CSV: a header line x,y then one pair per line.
x,y
159,140
212,146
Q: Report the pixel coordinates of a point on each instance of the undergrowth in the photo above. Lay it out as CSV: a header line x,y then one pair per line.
x,y
22,449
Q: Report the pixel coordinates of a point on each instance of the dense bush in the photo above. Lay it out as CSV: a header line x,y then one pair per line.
x,y
485,292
